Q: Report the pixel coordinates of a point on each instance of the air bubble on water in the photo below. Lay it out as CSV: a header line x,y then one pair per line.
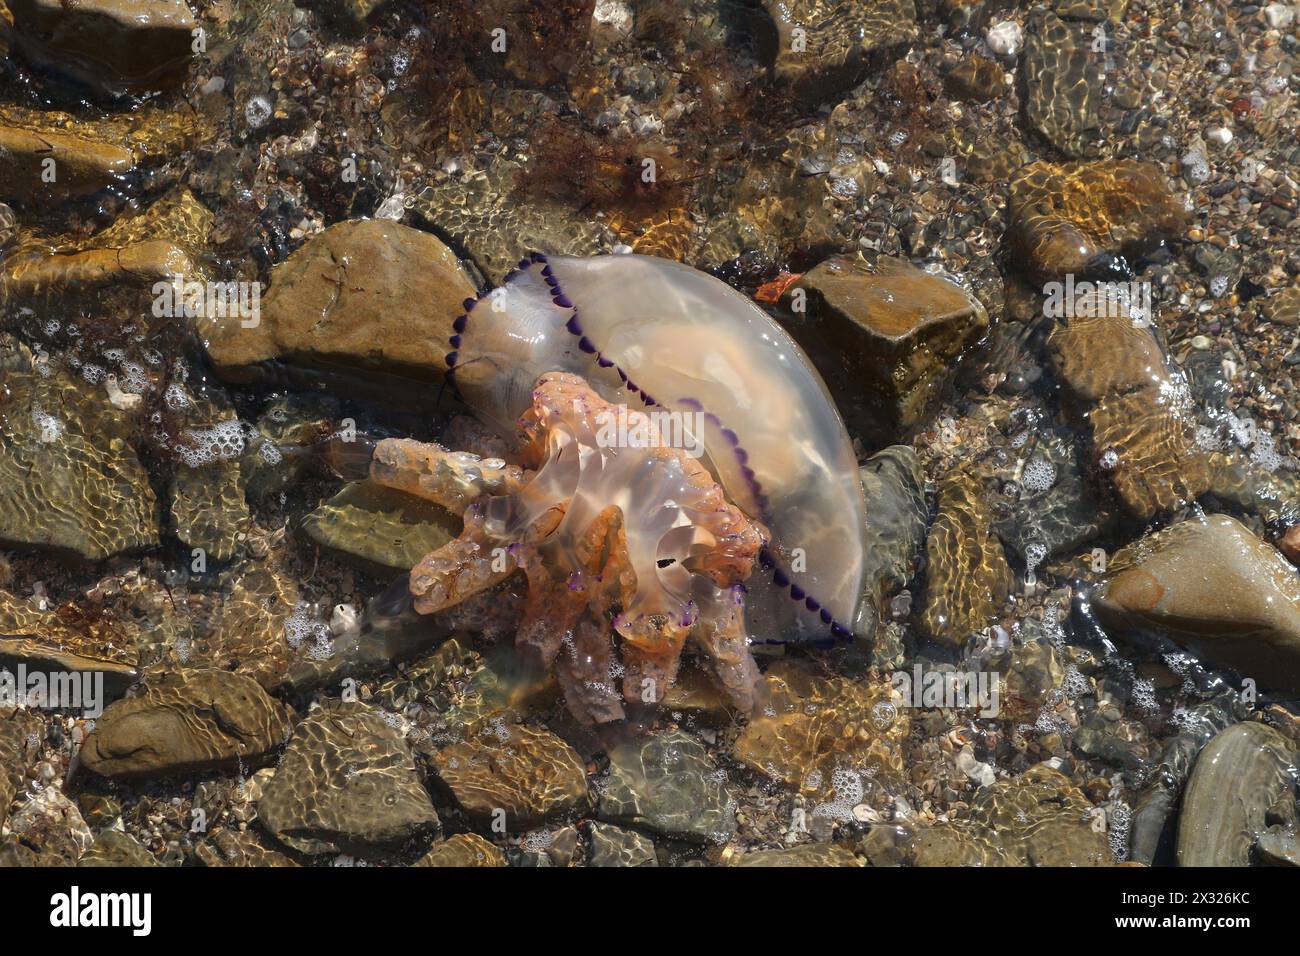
x,y
538,841
1039,474
847,786
92,373
1076,684
204,446
1207,439
1218,286
1144,695
1265,454
134,379
1195,166
270,453
49,426
1119,821
1035,552
175,397
303,627
258,111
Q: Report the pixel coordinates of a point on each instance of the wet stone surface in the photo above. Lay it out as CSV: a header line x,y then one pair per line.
x,y
1036,819
185,722
969,578
1236,782
886,338
513,774
1094,498
668,784
347,783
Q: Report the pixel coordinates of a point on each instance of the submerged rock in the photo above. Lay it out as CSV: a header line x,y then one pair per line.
x,y
72,481
1050,515
894,484
968,579
1062,89
1076,218
21,734
463,850
227,847
209,509
825,46
617,846
47,830
1036,819
1278,847
143,263
1237,778
1144,428
811,727
1104,354
164,243
811,854
1213,587
379,528
80,166
1152,832
886,339
68,638
117,46
347,784
187,721
116,848
369,296
668,784
1283,308
976,78
250,634
528,774
1145,442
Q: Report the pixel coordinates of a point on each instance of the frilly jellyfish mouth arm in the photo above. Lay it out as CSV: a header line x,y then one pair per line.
x,y
656,335
451,479
628,552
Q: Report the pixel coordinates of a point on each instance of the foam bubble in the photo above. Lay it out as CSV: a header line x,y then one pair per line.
x,y
1039,474
222,442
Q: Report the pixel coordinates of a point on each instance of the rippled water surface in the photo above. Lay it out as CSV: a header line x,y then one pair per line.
x,y
277,589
